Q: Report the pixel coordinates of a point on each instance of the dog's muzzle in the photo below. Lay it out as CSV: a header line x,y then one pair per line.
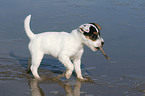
x,y
102,43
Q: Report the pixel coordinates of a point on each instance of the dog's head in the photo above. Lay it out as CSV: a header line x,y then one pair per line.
x,y
91,35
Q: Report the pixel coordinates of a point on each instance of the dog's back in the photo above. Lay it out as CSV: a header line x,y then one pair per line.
x,y
50,42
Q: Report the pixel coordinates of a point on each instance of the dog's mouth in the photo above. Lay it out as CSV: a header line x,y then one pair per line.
x,y
97,48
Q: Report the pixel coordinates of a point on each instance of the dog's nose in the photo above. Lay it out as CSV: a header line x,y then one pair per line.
x,y
102,43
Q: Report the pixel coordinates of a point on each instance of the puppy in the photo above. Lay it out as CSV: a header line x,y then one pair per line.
x,y
67,47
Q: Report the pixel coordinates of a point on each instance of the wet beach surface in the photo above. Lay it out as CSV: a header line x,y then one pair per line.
x,y
123,26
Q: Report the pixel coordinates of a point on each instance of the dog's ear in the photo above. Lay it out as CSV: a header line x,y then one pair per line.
x,y
81,29
98,26
84,28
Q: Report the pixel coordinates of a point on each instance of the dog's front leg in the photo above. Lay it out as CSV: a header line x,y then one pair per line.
x,y
67,63
77,64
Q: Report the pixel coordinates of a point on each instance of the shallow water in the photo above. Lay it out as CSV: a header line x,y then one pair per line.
x,y
123,25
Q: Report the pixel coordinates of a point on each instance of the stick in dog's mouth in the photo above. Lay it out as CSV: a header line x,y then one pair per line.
x,y
104,53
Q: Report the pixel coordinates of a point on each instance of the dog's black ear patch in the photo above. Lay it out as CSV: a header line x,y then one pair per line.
x,y
97,26
91,31
92,34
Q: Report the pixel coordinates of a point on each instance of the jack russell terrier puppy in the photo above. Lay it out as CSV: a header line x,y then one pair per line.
x,y
67,47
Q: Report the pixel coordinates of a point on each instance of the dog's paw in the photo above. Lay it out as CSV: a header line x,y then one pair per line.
x,y
82,79
38,78
68,73
67,76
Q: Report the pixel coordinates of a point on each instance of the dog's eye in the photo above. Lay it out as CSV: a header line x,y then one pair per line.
x,y
94,37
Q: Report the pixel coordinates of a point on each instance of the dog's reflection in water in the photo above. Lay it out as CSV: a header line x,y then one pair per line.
x,y
69,91
37,91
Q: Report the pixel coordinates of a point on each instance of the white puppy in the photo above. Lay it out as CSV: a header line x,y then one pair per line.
x,y
67,47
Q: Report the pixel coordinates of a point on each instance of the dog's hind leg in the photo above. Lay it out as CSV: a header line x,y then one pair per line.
x,y
29,65
36,60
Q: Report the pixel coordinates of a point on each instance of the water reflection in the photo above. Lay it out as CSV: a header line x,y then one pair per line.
x,y
70,89
35,89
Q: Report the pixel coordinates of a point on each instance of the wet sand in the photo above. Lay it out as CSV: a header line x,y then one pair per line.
x,y
123,25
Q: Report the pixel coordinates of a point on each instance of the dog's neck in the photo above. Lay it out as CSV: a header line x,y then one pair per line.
x,y
78,36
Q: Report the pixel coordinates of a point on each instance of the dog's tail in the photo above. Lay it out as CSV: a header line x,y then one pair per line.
x,y
29,33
